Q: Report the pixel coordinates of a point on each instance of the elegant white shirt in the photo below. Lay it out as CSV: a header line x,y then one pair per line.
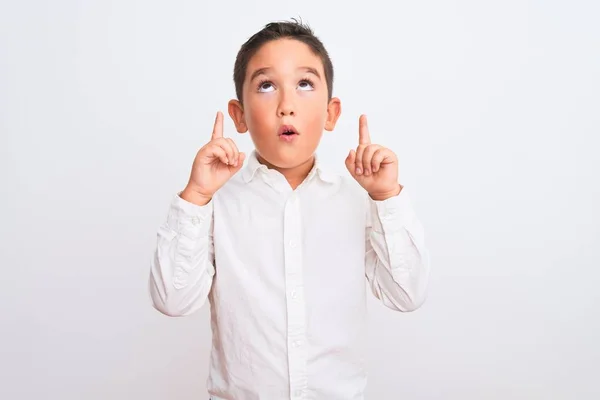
x,y
284,271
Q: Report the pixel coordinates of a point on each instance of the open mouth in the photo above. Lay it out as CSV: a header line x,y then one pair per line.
x,y
287,130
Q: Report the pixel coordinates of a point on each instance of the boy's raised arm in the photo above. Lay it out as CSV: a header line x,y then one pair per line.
x,y
396,259
182,268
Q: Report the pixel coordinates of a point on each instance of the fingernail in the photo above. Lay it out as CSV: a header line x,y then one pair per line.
x,y
367,172
358,171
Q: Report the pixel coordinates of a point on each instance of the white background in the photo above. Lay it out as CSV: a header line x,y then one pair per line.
x,y
492,107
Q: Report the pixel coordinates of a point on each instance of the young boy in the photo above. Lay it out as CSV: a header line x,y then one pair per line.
x,y
281,249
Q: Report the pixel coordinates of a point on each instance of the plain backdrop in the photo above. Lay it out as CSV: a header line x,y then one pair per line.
x,y
492,107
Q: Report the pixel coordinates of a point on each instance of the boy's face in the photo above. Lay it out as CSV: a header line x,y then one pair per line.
x,y
285,89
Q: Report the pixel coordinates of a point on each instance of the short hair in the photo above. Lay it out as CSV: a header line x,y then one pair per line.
x,y
296,30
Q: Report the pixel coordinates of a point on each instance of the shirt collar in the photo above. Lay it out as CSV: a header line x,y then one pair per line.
x,y
254,166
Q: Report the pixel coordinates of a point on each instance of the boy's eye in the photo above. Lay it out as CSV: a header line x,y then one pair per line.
x,y
265,87
305,84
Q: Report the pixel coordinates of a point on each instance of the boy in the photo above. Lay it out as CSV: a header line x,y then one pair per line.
x,y
281,249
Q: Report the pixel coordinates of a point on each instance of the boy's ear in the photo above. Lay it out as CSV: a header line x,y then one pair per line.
x,y
236,112
334,109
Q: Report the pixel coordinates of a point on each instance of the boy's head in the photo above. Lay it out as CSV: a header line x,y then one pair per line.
x,y
275,31
284,79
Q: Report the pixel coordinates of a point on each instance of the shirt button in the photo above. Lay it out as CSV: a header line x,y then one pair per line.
x,y
292,244
297,343
294,294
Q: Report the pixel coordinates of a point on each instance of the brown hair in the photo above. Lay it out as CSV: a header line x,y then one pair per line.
x,y
296,30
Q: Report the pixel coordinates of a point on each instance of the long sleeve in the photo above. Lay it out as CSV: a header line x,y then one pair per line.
x,y
182,268
397,262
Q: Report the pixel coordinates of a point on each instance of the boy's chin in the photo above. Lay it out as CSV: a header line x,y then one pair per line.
x,y
285,159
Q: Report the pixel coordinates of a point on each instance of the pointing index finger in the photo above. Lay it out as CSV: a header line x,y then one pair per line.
x,y
363,131
218,128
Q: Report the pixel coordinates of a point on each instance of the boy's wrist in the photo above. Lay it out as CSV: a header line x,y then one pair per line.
x,y
191,196
386,195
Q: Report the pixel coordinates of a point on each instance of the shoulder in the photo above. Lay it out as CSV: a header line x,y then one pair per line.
x,y
345,184
235,186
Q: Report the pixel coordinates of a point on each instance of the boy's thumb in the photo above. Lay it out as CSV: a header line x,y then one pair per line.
x,y
241,158
350,160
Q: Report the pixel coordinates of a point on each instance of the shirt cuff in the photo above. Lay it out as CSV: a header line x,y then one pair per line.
x,y
393,214
189,219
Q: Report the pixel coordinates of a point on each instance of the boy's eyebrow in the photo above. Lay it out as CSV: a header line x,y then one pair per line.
x,y
311,70
263,71
260,71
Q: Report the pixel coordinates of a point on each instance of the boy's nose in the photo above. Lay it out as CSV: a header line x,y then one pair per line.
x,y
285,111
286,107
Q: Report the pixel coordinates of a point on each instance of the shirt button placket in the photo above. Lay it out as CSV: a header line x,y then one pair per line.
x,y
296,329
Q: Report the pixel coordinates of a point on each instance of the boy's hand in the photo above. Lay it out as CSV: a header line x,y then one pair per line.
x,y
374,167
215,163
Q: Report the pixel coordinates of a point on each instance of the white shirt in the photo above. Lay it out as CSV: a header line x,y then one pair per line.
x,y
284,271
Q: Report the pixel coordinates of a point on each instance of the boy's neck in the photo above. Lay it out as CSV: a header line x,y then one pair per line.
x,y
296,175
